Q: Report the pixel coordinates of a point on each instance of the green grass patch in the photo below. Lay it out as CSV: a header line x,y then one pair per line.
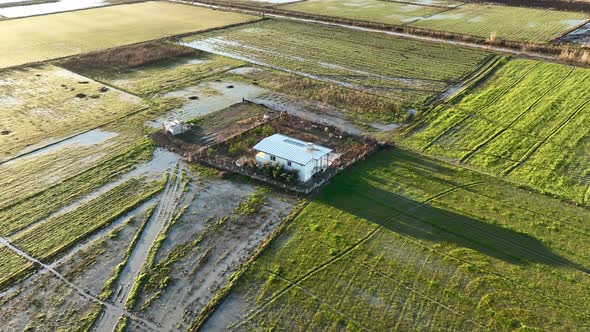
x,y
403,242
407,71
46,103
527,122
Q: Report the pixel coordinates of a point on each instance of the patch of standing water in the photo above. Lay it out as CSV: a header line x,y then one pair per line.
x,y
91,137
227,94
48,8
244,70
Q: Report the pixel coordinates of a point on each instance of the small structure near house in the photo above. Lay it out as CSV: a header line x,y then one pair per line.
x,y
175,127
293,154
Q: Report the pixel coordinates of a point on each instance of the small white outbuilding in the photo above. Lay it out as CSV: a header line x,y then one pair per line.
x,y
294,154
175,127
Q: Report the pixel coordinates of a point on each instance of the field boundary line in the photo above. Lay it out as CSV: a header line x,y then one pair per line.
x,y
418,4
485,106
310,293
81,291
538,145
522,114
365,238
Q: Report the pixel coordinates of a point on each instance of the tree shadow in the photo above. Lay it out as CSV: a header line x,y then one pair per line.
x,y
422,221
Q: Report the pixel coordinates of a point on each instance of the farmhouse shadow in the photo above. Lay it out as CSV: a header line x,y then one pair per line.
x,y
422,221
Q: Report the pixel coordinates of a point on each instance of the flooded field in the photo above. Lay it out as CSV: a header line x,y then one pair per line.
x,y
46,7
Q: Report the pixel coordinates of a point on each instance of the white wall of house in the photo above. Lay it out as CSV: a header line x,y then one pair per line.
x,y
305,171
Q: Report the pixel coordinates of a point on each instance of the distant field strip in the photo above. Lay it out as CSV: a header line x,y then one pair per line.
x,y
401,242
405,70
529,121
46,37
477,19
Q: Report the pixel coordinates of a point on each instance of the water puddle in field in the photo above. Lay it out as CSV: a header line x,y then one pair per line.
x,y
208,97
579,36
325,116
92,137
22,9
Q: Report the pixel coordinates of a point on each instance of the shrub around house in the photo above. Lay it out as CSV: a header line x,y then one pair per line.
x,y
274,171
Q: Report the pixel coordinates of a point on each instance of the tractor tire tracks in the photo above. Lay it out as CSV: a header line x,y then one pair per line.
x,y
488,104
322,266
538,145
82,292
522,114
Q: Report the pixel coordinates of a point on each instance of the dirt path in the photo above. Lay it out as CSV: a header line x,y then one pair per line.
x,y
109,308
164,212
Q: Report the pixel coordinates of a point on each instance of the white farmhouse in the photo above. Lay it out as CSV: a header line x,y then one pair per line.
x,y
175,127
293,154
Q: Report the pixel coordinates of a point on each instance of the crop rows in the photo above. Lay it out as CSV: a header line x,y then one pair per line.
x,y
24,212
527,122
475,19
408,71
471,258
54,236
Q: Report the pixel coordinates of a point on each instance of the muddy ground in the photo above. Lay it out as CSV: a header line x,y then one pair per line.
x,y
228,239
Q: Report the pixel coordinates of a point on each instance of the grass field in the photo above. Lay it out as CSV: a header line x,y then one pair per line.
x,y
406,71
40,104
401,242
529,122
534,25
53,36
370,10
169,75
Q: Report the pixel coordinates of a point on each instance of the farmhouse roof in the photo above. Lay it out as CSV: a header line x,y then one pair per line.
x,y
291,149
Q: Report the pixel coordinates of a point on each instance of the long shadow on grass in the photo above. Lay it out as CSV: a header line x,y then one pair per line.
x,y
422,221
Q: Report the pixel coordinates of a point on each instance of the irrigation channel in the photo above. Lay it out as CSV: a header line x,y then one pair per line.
x,y
262,12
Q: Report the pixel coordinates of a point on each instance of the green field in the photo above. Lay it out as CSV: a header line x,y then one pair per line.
x,y
401,242
407,71
168,75
369,10
534,25
46,37
529,122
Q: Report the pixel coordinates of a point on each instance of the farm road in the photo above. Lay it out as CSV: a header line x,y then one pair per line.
x,y
109,308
